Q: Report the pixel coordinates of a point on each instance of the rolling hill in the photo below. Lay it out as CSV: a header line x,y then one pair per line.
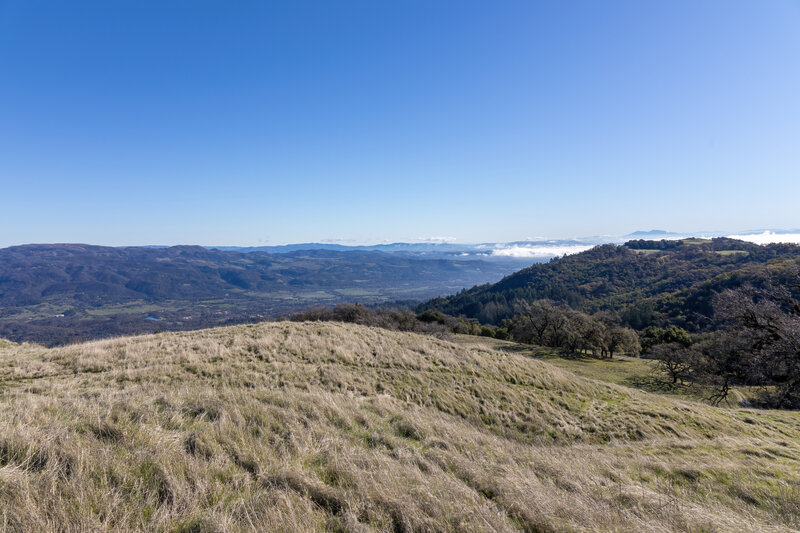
x,y
333,427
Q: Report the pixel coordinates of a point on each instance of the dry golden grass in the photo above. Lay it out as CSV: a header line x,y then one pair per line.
x,y
324,426
6,343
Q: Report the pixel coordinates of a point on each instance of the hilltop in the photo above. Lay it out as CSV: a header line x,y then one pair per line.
x,y
327,426
647,282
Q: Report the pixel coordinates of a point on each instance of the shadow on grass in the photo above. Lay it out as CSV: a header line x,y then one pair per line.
x,y
653,383
541,352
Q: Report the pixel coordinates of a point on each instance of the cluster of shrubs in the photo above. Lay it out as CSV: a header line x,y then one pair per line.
x,y
395,319
547,323
542,322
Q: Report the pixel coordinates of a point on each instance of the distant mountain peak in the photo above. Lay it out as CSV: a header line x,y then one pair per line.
x,y
653,232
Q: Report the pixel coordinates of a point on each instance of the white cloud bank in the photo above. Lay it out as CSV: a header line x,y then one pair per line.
x,y
769,237
534,251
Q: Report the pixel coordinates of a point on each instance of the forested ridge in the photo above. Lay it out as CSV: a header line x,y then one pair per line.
x,y
646,282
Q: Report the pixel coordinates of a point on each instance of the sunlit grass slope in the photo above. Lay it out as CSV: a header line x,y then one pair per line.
x,y
634,372
325,426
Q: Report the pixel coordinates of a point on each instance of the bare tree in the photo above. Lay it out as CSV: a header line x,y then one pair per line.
x,y
623,340
760,340
676,361
533,321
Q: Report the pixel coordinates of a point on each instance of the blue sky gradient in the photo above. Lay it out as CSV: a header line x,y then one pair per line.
x,y
248,123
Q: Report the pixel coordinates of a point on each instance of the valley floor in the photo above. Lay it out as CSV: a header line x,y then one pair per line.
x,y
327,426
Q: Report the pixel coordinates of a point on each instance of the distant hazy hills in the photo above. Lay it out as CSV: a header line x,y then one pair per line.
x,y
57,292
537,250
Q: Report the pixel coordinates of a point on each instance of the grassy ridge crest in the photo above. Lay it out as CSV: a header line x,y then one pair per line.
x,y
328,426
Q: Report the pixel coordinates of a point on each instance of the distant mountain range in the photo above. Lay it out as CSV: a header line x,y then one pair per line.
x,y
536,250
54,293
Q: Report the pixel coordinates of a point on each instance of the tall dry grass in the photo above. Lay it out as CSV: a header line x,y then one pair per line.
x,y
324,426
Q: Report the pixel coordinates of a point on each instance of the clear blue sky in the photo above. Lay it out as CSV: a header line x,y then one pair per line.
x,y
246,123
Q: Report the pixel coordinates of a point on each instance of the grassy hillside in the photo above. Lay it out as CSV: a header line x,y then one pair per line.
x,y
6,343
325,426
634,372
